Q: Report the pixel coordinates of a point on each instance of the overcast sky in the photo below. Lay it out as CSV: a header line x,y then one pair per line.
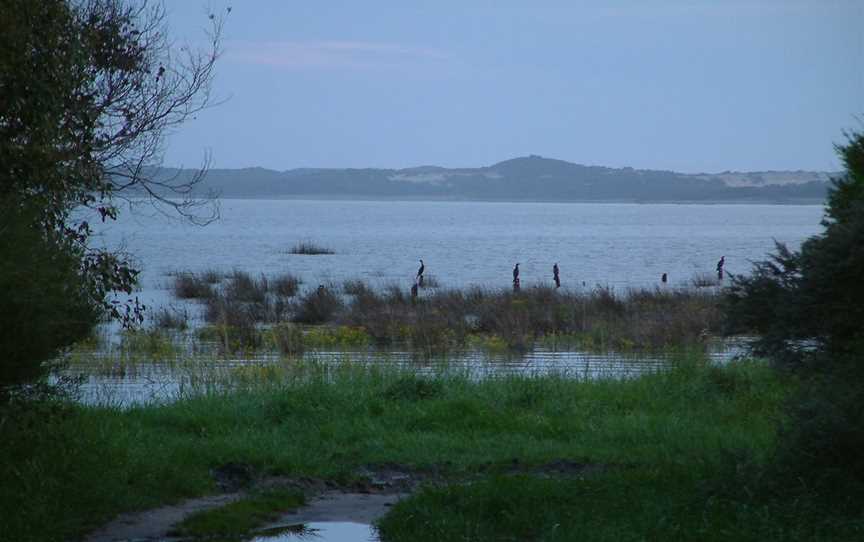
x,y
690,86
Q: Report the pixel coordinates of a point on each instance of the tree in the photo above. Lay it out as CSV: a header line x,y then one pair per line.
x,y
808,307
88,91
812,302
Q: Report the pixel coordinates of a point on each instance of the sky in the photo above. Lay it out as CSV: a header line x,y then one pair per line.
x,y
690,86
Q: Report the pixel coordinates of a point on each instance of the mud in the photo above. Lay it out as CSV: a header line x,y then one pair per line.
x,y
374,490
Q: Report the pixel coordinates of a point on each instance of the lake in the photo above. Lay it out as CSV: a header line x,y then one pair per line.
x,y
462,243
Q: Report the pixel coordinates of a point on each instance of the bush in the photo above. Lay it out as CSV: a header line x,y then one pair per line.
x,y
808,308
46,303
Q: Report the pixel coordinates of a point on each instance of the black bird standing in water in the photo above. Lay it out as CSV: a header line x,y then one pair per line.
x,y
664,278
420,273
516,278
555,275
720,265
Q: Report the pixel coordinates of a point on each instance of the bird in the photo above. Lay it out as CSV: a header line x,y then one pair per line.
x,y
516,285
419,279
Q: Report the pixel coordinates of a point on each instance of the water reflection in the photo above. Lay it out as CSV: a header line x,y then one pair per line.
x,y
329,531
107,380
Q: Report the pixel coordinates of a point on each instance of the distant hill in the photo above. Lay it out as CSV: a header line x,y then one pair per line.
x,y
531,178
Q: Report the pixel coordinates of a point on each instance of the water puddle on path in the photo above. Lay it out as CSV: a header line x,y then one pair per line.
x,y
325,531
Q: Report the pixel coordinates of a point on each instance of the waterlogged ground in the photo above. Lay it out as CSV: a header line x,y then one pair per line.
x,y
112,375
324,531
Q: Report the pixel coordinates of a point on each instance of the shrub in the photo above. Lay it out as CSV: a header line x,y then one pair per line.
x,y
808,308
46,303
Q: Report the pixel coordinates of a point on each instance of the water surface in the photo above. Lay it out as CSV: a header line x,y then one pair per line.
x,y
462,243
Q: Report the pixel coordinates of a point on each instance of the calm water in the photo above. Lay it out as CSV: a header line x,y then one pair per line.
x,y
107,382
325,531
462,243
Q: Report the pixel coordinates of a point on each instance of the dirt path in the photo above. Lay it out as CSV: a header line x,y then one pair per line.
x,y
157,523
364,502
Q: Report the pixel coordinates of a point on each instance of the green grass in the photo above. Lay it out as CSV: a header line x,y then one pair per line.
x,y
240,517
67,468
629,504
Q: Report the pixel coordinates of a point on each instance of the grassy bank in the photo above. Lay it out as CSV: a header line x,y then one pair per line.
x,y
66,468
648,502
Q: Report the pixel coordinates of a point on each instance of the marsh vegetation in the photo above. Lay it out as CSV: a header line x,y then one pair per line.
x,y
310,248
329,421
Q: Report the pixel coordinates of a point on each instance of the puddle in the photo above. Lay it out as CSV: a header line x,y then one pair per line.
x,y
325,531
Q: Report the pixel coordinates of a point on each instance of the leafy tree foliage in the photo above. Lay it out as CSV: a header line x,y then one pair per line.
x,y
808,307
812,301
88,89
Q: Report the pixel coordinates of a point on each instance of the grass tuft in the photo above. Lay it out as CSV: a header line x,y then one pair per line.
x,y
309,248
240,517
191,286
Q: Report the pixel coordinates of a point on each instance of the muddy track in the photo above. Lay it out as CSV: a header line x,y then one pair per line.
x,y
377,488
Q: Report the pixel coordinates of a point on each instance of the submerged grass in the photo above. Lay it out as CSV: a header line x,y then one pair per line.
x,y
66,468
598,320
193,286
440,320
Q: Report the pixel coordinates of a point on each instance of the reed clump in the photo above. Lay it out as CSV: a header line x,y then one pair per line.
x,y
288,339
192,286
171,318
309,248
600,319
285,285
235,323
243,287
317,307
